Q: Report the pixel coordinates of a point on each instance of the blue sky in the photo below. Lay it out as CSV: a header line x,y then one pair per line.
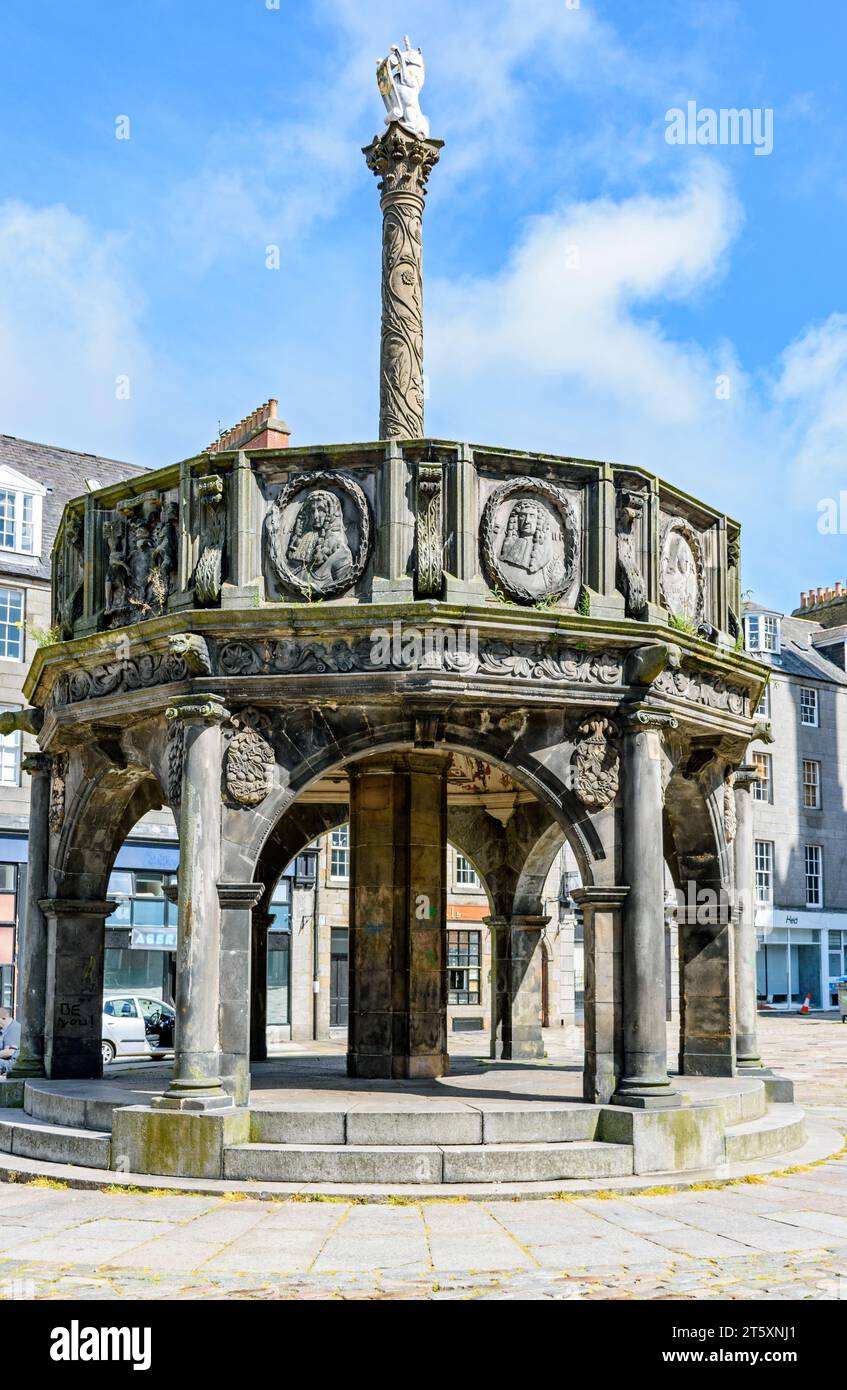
x,y
146,257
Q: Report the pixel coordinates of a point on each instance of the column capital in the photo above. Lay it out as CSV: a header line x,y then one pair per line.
x,y
599,897
402,161
37,764
638,719
240,894
523,921
77,907
744,777
202,708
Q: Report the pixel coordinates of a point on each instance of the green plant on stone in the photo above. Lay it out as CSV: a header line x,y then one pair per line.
x,y
583,603
42,636
682,623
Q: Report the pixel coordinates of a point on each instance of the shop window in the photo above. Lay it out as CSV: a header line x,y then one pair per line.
x,y
463,967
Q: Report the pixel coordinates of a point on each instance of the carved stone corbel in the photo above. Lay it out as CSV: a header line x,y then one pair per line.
x,y
630,579
429,537
646,663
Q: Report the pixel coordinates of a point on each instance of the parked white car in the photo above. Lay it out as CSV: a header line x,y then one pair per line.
x,y
136,1025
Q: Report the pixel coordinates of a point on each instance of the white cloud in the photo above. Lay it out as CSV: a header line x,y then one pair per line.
x,y
575,298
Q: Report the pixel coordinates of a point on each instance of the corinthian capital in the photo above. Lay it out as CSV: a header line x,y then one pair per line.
x,y
402,161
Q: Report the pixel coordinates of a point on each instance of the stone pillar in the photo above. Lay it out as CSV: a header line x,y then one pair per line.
x,y
746,1015
237,901
259,985
398,908
33,959
602,911
76,943
516,986
645,1071
403,163
196,1082
707,988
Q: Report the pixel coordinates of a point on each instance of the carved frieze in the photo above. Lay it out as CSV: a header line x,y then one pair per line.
x,y
115,677
429,537
682,572
596,762
318,535
703,689
730,817
529,540
175,759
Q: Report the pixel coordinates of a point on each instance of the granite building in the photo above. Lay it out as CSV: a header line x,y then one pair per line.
x,y
800,800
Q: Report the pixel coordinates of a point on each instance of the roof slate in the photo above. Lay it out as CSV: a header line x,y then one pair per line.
x,y
63,472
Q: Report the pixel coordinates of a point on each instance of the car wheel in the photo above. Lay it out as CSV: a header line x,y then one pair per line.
x,y
108,1051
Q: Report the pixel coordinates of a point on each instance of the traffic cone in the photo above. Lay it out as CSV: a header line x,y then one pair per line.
x,y
805,1008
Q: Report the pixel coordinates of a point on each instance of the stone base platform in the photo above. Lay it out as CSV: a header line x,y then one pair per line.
x,y
487,1124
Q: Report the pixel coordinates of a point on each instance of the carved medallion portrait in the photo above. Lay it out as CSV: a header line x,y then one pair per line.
x,y
682,571
318,535
530,540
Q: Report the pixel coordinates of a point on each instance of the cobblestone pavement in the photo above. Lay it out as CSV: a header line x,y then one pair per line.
x,y
777,1238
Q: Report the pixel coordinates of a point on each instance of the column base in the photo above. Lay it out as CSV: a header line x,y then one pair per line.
x,y
530,1049
642,1094
389,1068
26,1065
207,1095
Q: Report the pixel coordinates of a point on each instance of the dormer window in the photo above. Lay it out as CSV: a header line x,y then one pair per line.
x,y
762,632
20,513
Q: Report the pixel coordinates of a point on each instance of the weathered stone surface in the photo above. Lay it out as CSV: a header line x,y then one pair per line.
x,y
175,1143
679,1139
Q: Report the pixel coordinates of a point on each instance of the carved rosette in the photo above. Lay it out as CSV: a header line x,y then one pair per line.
x,y
429,530
403,163
249,763
529,540
58,776
318,535
682,571
208,572
596,763
630,579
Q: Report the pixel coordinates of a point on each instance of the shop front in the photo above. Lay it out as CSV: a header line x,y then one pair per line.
x,y
800,953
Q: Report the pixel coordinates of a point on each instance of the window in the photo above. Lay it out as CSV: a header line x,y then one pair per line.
x,y
764,872
8,891
811,784
763,785
465,871
763,632
463,961
339,852
20,513
10,755
141,903
12,624
814,876
763,709
809,706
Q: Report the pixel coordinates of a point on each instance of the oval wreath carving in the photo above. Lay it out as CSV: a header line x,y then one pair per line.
x,y
531,548
315,549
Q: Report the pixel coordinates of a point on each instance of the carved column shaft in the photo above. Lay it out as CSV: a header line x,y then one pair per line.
x,y
403,163
33,959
